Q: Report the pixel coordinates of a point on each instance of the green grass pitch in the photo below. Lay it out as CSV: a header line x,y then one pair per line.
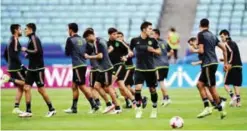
x,y
186,103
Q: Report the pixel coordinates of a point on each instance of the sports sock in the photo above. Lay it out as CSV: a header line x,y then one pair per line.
x,y
28,107
108,104
74,104
231,94
127,101
154,99
238,98
97,101
50,106
166,97
16,105
138,98
205,102
92,102
213,103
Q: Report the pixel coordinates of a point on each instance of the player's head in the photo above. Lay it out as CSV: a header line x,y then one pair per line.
x,y
30,29
224,35
72,28
193,42
156,33
204,24
120,36
89,35
172,29
16,29
146,28
112,32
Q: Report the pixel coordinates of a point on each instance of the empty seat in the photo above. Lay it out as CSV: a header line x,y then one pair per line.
x,y
205,1
202,7
239,7
217,1
214,7
227,7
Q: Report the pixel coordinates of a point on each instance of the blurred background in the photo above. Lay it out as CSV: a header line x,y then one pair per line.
x,y
52,17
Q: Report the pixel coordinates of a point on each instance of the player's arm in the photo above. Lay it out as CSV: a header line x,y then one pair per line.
x,y
110,48
132,46
13,50
196,63
68,47
230,48
223,48
35,45
154,48
200,49
170,51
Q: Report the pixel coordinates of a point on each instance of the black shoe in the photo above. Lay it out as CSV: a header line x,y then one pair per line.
x,y
144,102
128,106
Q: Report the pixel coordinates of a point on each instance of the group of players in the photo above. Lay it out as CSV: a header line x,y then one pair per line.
x,y
111,62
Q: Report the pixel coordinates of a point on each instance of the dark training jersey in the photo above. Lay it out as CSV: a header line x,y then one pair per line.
x,y
209,41
162,60
76,48
119,50
90,50
144,58
104,64
129,63
35,53
233,54
12,53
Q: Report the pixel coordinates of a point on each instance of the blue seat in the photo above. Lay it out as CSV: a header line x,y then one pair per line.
x,y
227,7
201,14
235,32
217,1
205,1
226,14
214,14
237,13
223,26
228,1
214,7
239,7
202,7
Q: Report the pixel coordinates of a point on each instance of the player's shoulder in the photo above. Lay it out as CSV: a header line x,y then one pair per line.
x,y
136,38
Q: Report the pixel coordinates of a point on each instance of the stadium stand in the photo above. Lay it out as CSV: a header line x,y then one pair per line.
x,y
52,16
223,14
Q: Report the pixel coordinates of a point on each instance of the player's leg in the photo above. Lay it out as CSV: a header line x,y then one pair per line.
x,y
39,80
29,80
151,80
209,96
237,74
139,79
211,80
202,90
161,75
75,94
228,81
95,93
99,83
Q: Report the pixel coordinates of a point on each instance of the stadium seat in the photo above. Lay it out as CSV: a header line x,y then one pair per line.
x,y
205,1
227,7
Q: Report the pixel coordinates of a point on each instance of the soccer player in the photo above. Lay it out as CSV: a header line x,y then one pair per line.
x,y
104,75
15,68
35,73
162,65
117,52
129,75
76,47
207,43
193,46
146,48
233,75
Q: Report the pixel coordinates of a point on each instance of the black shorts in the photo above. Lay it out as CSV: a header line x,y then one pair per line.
x,y
129,80
208,75
35,76
149,77
79,75
234,77
119,71
92,77
18,75
104,78
162,74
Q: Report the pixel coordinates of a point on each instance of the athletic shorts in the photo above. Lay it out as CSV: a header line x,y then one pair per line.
x,y
35,76
104,78
19,75
162,74
234,77
149,77
119,71
92,77
129,80
79,75
208,75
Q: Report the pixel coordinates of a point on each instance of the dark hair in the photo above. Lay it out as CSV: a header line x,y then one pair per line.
x,y
172,29
204,22
14,27
191,39
73,27
120,33
89,28
145,24
112,30
32,26
224,32
156,31
87,33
